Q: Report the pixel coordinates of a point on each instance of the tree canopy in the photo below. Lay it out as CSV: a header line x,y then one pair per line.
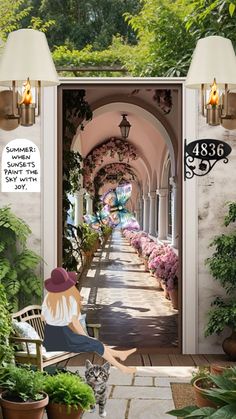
x,y
146,37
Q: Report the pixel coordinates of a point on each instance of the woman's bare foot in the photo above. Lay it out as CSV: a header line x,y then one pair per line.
x,y
128,370
123,355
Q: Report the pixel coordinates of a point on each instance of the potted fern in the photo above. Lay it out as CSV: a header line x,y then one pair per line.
x,y
22,394
6,351
69,396
222,266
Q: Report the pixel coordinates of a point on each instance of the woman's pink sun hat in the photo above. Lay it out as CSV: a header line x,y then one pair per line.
x,y
60,280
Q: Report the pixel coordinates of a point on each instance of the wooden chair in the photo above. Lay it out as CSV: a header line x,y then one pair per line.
x,y
32,315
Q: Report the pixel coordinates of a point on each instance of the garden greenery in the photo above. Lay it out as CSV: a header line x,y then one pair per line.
x,y
70,390
6,352
222,266
18,264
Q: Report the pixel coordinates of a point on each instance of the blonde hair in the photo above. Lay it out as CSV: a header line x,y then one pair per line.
x,y
54,300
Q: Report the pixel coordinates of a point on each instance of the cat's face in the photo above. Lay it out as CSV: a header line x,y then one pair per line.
x,y
97,374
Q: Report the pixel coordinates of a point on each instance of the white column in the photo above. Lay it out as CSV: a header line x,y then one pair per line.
x,y
152,212
79,206
163,216
174,213
89,204
145,213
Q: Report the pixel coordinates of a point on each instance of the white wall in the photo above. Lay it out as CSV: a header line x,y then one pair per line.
x,y
214,190
25,205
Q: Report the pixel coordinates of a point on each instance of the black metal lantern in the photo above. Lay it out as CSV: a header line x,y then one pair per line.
x,y
124,127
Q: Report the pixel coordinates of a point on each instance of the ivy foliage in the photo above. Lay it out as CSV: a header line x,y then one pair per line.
x,y
75,110
222,266
222,263
6,352
17,262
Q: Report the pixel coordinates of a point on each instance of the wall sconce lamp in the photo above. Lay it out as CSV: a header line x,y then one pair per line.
x,y
124,127
26,66
213,71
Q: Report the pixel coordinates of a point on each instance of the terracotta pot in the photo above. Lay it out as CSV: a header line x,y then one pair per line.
x,y
201,401
164,287
217,369
229,346
145,262
174,298
158,281
14,410
60,411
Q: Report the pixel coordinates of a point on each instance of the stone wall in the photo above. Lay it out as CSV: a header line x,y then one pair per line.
x,y
214,190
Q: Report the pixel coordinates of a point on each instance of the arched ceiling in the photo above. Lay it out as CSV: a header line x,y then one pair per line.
x,y
147,135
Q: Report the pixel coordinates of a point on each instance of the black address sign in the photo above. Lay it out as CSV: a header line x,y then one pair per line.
x,y
208,151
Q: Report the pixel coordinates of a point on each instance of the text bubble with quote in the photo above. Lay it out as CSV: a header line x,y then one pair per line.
x,y
20,167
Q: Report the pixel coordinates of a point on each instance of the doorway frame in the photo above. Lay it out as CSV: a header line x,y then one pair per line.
x,y
52,205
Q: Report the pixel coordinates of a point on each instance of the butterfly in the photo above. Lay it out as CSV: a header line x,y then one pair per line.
x,y
99,219
116,200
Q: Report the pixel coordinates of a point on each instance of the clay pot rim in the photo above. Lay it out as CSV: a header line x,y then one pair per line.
x,y
202,379
25,405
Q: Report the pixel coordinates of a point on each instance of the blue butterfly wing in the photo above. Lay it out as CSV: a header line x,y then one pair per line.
x,y
110,198
93,221
123,194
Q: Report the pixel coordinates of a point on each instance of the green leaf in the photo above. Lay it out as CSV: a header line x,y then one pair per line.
x,y
203,412
226,412
182,412
231,9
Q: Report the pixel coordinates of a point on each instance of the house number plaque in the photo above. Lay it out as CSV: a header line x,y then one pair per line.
x,y
200,156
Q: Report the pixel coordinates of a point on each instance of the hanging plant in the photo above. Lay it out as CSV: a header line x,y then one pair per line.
x,y
75,110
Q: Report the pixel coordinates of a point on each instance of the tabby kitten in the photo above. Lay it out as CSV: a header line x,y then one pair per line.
x,y
97,376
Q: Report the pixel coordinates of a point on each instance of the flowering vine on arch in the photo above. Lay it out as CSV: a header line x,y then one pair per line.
x,y
114,148
114,173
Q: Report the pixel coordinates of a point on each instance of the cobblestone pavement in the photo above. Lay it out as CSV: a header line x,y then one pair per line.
x,y
125,299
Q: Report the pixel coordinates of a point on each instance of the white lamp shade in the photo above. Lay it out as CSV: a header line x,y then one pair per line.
x,y
26,54
213,57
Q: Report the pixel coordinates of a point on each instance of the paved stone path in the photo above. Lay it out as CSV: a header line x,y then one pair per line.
x,y
147,394
125,299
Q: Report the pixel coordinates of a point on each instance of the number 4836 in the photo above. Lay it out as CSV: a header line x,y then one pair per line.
x,y
208,149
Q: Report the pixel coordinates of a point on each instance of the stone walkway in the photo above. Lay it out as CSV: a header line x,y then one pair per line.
x,y
146,395
125,299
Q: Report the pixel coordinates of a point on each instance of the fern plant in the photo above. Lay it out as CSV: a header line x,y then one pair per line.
x,y
17,262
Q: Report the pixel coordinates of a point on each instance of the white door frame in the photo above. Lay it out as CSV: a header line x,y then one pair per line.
x,y
189,200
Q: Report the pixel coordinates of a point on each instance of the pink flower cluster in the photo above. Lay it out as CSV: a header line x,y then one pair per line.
x,y
162,260
114,147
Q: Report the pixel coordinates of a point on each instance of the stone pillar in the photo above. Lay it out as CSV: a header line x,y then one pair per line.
x,y
174,213
89,204
163,216
145,213
152,213
79,206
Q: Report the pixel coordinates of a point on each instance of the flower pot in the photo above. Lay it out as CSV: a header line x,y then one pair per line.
x,y
145,262
56,411
218,369
23,410
229,346
164,287
199,386
174,297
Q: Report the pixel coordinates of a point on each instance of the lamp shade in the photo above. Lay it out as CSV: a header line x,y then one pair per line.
x,y
26,54
213,57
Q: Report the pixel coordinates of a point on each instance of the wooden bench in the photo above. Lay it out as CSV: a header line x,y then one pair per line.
x,y
32,315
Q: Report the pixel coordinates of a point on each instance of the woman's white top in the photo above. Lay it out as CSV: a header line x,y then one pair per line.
x,y
62,317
